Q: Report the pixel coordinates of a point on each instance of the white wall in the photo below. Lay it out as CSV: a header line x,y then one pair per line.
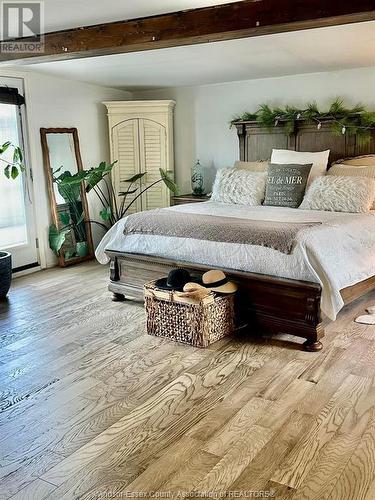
x,y
53,102
203,112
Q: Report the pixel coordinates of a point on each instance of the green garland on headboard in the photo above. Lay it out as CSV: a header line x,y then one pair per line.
x,y
354,121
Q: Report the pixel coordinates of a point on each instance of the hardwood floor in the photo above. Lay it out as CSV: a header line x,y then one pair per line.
x,y
92,406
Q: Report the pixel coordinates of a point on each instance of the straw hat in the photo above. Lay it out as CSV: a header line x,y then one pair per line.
x,y
216,281
194,291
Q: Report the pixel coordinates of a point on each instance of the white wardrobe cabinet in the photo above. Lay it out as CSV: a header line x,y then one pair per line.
x,y
141,140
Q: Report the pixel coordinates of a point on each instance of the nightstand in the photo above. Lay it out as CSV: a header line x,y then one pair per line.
x,y
182,199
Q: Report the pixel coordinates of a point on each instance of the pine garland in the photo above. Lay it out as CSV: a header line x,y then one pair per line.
x,y
353,121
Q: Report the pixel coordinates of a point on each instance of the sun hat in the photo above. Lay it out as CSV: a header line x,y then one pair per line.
x,y
176,280
216,281
194,291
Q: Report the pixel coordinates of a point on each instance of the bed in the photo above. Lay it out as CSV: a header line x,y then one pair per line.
x,y
332,263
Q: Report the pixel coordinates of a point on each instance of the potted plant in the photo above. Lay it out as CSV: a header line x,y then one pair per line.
x,y
112,210
12,158
5,273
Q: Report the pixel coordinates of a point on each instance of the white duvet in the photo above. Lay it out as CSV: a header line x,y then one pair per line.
x,y
337,254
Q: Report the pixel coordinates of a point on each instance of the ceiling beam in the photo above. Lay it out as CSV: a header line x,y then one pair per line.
x,y
247,18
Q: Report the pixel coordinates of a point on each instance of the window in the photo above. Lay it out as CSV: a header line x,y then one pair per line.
x,y
13,230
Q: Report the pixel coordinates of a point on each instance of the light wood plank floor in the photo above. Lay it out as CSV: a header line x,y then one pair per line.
x,y
90,405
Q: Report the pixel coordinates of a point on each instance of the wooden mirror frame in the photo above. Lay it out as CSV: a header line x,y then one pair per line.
x,y
51,193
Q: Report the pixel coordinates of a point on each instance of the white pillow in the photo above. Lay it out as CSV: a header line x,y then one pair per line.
x,y
239,187
351,170
319,160
340,194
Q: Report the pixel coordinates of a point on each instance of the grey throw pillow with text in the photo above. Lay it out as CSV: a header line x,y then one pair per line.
x,y
286,184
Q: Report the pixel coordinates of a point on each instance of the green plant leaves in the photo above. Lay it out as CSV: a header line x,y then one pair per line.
x,y
65,218
111,212
126,193
135,177
357,121
57,170
14,172
171,185
311,112
17,155
69,186
67,179
4,147
266,116
93,179
368,118
14,167
56,238
11,171
97,174
81,219
106,213
337,107
246,117
92,176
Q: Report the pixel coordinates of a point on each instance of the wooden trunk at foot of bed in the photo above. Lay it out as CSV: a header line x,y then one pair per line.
x,y
266,303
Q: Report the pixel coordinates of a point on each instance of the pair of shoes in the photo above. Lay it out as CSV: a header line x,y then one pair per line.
x,y
367,319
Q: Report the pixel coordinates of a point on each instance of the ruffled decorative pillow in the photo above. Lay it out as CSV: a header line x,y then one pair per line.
x,y
340,194
239,187
354,170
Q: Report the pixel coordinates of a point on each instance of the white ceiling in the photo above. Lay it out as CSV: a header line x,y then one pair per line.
x,y
64,14
323,49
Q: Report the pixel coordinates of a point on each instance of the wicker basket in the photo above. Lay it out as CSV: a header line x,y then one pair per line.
x,y
185,320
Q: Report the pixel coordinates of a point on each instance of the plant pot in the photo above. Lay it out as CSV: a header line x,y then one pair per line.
x,y
5,273
82,248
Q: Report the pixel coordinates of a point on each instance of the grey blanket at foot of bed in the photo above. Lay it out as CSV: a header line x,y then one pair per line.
x,y
280,236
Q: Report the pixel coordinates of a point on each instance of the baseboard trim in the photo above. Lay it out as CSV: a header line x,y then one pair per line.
x,y
29,268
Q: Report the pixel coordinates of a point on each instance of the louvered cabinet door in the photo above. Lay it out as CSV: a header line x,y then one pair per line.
x,y
153,154
125,149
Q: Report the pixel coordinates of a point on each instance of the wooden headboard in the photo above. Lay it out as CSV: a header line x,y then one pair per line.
x,y
256,143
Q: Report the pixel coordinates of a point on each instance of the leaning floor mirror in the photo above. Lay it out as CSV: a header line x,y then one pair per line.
x,y
69,234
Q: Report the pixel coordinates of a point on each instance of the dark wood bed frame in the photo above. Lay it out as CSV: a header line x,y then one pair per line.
x,y
266,303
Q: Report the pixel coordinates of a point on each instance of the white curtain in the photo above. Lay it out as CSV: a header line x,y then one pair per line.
x,y
12,206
